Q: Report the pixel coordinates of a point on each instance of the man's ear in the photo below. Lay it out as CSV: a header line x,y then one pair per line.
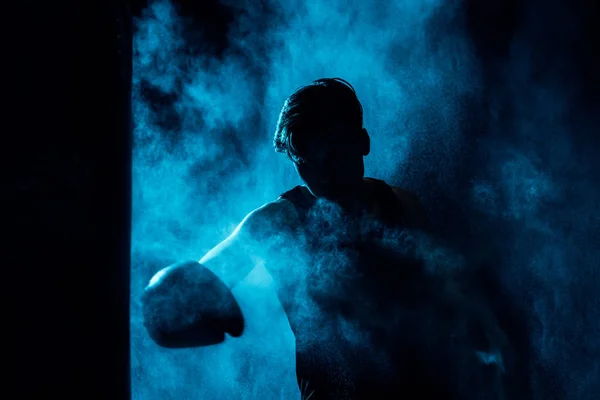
x,y
365,142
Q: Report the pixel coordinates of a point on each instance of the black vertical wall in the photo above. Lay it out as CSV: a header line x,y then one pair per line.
x,y
66,215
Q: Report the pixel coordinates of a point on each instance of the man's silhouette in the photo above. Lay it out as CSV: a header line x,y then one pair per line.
x,y
370,316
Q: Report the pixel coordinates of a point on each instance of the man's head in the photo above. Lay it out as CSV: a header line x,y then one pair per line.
x,y
320,129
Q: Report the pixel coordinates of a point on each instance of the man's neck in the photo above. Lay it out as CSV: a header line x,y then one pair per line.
x,y
353,201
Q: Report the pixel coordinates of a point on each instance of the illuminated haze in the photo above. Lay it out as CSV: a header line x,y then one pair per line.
x,y
203,158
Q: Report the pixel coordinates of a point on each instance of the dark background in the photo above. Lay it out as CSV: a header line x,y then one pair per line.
x,y
67,151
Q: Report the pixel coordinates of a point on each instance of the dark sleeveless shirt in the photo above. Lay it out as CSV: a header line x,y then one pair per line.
x,y
332,366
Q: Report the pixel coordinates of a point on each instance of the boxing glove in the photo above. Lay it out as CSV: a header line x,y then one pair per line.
x,y
186,305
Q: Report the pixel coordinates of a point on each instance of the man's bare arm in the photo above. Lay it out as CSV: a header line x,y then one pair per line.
x,y
190,303
250,244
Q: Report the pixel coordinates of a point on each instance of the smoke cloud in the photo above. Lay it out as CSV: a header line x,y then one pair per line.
x,y
203,158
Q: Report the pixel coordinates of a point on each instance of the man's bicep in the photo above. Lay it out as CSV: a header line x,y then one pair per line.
x,y
250,244
234,258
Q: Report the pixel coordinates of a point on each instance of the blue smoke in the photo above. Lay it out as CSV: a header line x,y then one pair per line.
x,y
538,186
203,158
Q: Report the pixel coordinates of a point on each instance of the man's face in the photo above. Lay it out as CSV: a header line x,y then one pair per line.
x,y
332,165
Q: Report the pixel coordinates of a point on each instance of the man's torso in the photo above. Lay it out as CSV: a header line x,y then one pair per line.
x,y
365,316
365,313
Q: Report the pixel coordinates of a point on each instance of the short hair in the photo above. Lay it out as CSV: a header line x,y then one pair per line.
x,y
313,107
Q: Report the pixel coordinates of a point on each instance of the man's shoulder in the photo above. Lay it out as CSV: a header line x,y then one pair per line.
x,y
405,196
275,208
412,206
275,215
